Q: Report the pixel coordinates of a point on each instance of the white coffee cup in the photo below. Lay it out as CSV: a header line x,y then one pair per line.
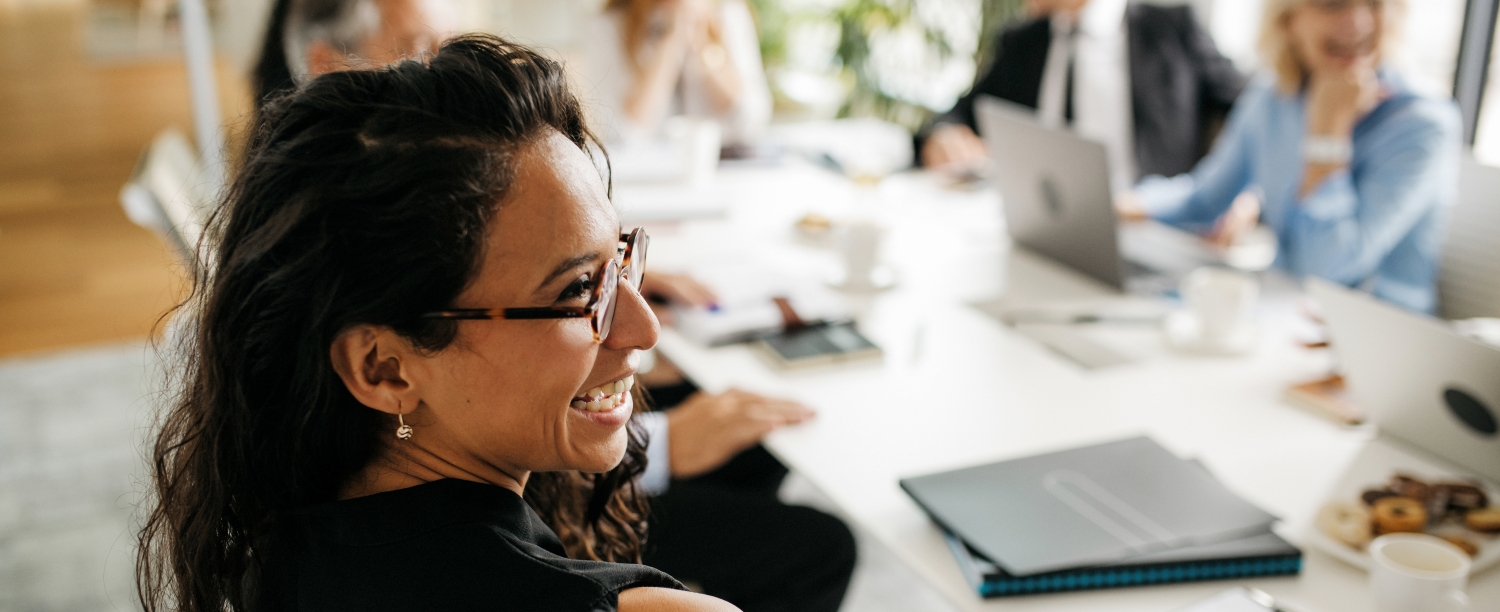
x,y
1222,301
697,142
1416,572
860,245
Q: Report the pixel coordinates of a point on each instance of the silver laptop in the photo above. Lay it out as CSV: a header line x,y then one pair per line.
x,y
1419,381
1058,202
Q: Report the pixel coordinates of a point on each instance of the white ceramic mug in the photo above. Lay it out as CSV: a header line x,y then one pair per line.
x,y
697,142
1416,572
861,250
1222,300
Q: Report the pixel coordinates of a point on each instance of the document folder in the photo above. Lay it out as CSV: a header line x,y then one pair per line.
x,y
1098,505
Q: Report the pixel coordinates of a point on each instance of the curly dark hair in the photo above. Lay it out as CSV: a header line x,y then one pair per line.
x,y
364,199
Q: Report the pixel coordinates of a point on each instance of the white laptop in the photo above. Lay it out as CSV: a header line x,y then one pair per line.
x,y
1058,202
1419,381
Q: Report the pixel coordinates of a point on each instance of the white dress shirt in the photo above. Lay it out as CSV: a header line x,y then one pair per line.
x,y
658,474
1100,52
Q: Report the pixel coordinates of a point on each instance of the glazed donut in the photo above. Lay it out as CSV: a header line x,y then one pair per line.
x,y
1399,515
1483,520
1345,521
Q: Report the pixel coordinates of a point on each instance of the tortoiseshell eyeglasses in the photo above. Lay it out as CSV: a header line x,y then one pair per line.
x,y
630,266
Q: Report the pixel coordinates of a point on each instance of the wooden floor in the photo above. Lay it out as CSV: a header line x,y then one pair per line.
x,y
73,269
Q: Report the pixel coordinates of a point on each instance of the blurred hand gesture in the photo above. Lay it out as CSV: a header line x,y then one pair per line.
x,y
676,290
953,149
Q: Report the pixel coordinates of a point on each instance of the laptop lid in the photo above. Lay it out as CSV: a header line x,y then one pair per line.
x,y
1418,380
1056,191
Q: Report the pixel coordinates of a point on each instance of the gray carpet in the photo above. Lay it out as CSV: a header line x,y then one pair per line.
x,y
71,426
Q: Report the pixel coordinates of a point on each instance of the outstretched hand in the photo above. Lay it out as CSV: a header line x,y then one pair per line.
x,y
708,430
676,290
953,149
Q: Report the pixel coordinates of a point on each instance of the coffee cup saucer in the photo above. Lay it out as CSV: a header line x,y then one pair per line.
x,y
1184,332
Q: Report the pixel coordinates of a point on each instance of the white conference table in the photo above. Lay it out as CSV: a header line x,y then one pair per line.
x,y
958,388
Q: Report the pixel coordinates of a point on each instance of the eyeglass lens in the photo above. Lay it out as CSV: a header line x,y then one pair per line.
x,y
609,283
609,291
637,269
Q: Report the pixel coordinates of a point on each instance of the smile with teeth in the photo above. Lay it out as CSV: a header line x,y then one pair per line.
x,y
605,397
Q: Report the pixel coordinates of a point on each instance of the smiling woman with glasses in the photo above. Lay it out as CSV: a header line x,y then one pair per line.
x,y
409,384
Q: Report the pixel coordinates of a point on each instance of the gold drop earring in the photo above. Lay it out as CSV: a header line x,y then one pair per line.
x,y
404,431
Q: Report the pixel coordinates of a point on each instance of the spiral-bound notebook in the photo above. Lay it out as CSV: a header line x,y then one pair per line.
x,y
1260,555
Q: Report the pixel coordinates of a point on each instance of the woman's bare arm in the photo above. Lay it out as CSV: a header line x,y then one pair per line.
x,y
653,87
656,599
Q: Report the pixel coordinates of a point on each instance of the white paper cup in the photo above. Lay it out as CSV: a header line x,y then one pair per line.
x,y
1415,572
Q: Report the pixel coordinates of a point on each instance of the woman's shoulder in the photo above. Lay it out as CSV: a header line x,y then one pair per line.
x,y
1411,111
1262,91
457,544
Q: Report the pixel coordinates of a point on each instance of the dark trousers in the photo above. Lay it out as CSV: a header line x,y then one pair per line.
x,y
727,532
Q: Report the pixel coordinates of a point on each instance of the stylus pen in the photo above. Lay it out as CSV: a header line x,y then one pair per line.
x,y
1087,318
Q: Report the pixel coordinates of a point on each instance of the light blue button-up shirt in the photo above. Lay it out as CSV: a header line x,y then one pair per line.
x,y
1377,223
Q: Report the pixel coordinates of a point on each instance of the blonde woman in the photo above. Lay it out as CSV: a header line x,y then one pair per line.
x,y
652,59
1355,169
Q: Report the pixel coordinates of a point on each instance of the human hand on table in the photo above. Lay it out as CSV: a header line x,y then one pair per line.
x,y
676,290
953,149
710,429
1243,215
1128,207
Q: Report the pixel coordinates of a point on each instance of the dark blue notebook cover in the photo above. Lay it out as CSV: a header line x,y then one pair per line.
x,y
1256,556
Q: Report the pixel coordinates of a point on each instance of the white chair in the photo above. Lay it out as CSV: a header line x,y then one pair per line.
x,y
173,188
1469,284
169,194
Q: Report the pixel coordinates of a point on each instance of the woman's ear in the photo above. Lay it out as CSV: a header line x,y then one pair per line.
x,y
373,362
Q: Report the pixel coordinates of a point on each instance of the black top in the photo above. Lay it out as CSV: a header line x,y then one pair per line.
x,y
1181,86
445,545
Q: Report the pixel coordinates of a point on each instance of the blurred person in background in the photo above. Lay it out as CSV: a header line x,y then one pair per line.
x,y
1145,80
716,517
648,60
307,38
1355,169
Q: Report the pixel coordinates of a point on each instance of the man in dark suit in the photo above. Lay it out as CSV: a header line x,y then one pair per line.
x,y
1155,111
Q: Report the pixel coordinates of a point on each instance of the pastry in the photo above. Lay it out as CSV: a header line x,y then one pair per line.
x,y
1483,520
1406,486
1465,497
1468,547
1437,503
1347,522
1371,495
1399,515
814,224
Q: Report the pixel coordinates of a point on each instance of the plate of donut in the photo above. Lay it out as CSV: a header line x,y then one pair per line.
x,y
1408,499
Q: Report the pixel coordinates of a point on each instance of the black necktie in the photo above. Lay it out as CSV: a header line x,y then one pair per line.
x,y
1068,87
